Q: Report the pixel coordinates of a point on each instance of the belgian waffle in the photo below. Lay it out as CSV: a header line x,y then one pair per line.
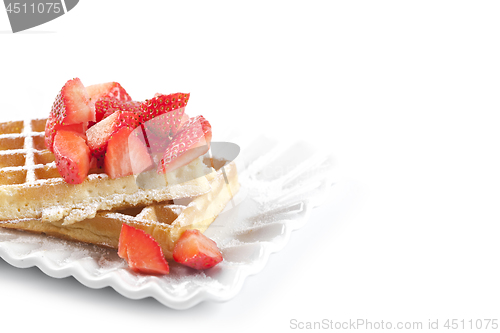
x,y
164,221
32,188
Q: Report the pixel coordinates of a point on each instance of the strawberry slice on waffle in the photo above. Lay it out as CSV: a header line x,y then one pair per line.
x,y
105,107
161,104
71,110
126,155
72,156
112,90
99,135
192,140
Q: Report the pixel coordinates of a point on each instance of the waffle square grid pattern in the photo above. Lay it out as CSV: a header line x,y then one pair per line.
x,y
23,155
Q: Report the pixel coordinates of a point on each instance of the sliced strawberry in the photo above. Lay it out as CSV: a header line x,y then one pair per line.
x,y
196,250
93,162
161,129
166,124
104,107
140,157
109,89
161,104
124,239
51,127
72,156
126,154
117,159
99,134
185,118
141,251
72,105
192,140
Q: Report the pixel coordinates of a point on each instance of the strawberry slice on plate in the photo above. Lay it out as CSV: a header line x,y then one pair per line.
x,y
99,134
126,154
196,250
141,251
72,156
108,89
192,140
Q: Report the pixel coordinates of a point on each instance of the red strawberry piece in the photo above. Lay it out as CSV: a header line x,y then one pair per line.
x,y
104,107
196,250
140,157
126,154
161,104
99,134
72,156
51,127
166,124
161,129
93,162
185,118
72,105
109,89
141,251
192,140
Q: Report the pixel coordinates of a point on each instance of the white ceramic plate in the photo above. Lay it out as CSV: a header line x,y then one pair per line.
x,y
279,186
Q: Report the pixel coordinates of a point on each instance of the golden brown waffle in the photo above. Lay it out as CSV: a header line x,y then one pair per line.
x,y
164,221
32,188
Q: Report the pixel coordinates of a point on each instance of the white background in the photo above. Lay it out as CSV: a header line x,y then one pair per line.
x,y
405,95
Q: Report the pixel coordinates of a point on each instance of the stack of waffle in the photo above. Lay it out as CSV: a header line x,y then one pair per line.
x,y
34,197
